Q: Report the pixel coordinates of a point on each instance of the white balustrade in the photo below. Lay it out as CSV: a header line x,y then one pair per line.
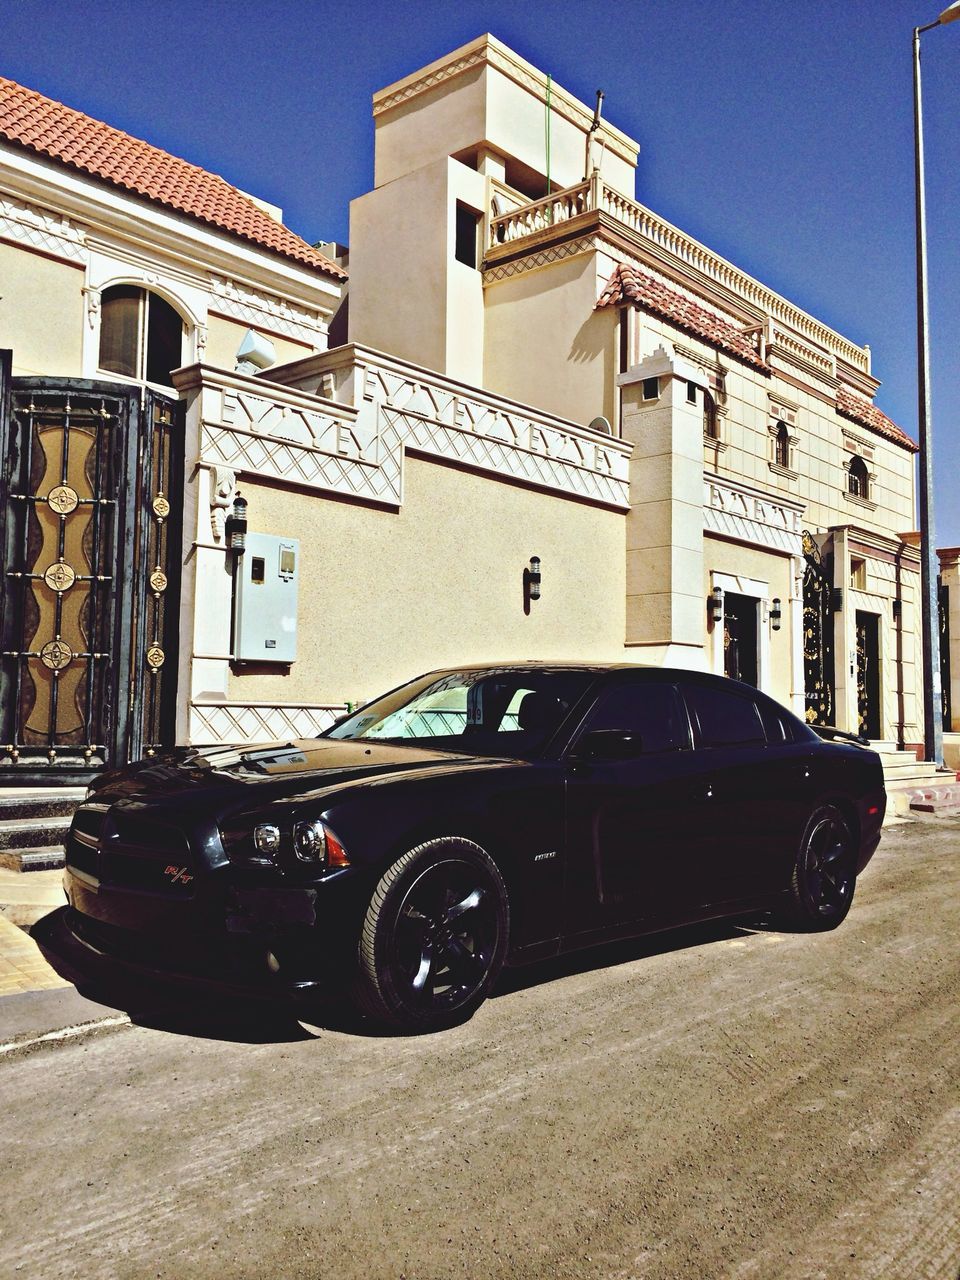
x,y
561,206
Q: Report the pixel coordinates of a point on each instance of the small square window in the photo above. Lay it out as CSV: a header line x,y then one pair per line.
x,y
651,388
468,235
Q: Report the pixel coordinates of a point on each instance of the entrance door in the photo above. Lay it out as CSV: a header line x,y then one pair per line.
x,y
740,660
90,576
818,666
868,674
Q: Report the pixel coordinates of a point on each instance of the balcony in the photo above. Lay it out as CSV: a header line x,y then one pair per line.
x,y
593,207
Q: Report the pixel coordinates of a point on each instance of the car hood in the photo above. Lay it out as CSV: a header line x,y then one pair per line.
x,y
270,771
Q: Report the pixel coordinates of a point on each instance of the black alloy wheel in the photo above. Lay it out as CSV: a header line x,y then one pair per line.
x,y
824,874
434,937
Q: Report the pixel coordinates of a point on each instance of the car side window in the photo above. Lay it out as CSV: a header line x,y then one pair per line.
x,y
651,710
726,718
775,722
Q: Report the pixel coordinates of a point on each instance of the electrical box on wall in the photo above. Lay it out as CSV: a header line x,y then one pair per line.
x,y
265,603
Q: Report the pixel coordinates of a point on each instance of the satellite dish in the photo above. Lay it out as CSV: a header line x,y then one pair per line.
x,y
601,424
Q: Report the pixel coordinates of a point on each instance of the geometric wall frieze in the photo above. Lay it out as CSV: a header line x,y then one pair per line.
x,y
761,520
35,228
255,308
361,453
216,723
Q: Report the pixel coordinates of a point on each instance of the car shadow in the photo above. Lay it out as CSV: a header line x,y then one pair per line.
x,y
608,955
179,1009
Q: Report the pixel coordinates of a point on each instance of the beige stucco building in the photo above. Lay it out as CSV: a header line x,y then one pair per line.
x,y
535,365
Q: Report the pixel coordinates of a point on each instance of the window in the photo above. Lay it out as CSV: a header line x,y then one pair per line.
x,y
711,428
858,573
858,481
725,718
691,393
781,446
651,388
651,710
472,711
141,336
468,235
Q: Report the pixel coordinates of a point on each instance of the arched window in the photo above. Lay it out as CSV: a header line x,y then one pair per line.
x,y
710,425
858,481
781,446
141,336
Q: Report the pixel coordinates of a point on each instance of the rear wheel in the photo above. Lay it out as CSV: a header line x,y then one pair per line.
x,y
434,936
824,874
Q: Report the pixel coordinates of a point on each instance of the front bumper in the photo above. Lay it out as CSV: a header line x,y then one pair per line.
x,y
271,942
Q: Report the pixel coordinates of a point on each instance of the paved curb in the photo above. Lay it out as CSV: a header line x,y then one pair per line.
x,y
31,1018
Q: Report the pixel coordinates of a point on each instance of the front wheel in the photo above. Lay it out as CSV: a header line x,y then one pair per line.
x,y
824,874
434,936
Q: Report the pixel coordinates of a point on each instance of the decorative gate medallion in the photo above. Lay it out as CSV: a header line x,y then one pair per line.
x,y
59,577
55,655
63,499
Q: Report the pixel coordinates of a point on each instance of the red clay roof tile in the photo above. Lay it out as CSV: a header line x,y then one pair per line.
x,y
629,285
637,288
39,124
859,409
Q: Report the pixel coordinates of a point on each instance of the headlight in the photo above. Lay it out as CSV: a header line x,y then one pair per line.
x,y
266,838
310,841
315,842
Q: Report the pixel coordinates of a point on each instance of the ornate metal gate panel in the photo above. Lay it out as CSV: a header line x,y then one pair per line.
x,y
82,627
944,607
868,675
818,668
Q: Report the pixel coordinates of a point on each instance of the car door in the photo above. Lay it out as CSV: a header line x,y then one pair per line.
x,y
758,783
636,811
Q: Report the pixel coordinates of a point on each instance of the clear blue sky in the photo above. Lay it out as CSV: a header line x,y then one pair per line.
x,y
779,134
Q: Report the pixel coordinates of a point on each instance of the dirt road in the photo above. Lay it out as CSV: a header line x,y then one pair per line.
x,y
725,1102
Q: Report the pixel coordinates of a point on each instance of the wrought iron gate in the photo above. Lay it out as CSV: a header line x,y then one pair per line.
x,y
943,596
90,576
868,674
818,668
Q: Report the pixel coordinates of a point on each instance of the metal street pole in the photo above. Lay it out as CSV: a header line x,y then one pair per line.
x,y
929,604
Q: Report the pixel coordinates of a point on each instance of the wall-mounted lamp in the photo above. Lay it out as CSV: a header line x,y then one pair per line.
x,y
715,604
235,528
533,578
531,583
776,613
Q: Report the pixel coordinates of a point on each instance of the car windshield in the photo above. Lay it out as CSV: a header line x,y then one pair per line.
x,y
492,712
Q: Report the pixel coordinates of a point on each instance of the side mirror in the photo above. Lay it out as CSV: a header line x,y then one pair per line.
x,y
609,744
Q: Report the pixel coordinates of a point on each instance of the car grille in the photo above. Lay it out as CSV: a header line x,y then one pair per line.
x,y
131,851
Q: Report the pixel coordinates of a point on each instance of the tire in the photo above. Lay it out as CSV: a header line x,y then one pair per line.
x,y
824,873
434,937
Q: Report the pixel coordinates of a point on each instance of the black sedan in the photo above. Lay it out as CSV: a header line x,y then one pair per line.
x,y
468,819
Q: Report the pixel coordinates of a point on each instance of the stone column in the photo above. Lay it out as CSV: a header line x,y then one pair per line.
x,y
666,603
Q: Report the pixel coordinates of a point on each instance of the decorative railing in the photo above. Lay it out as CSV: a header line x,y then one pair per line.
x,y
596,195
559,206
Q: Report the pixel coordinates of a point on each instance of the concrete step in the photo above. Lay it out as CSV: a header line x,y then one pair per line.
x,y
50,858
32,833
35,802
941,800
910,780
